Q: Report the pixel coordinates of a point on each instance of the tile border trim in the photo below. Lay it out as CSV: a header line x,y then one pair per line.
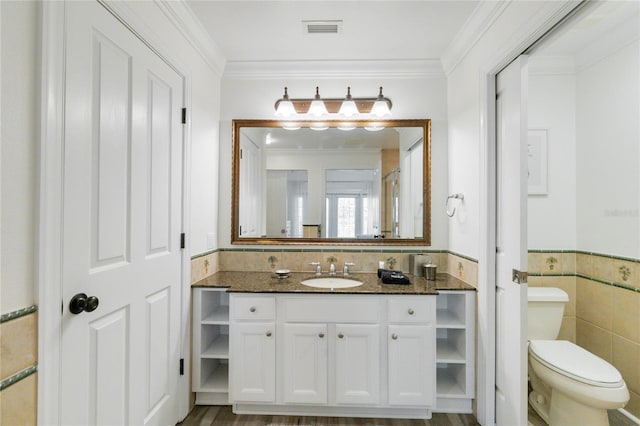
x,y
590,253
206,253
12,380
18,313
340,250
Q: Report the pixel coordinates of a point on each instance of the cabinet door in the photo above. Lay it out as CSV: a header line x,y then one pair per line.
x,y
305,363
357,363
412,365
252,362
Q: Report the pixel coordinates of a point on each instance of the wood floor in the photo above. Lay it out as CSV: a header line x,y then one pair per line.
x,y
205,415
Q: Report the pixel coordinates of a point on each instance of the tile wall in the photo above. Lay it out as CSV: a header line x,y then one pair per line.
x,y
299,260
18,367
603,314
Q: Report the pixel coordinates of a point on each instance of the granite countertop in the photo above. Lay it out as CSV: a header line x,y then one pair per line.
x,y
265,282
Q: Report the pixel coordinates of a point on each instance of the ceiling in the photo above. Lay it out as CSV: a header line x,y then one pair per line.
x,y
371,30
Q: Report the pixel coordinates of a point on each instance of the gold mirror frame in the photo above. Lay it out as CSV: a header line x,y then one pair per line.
x,y
425,124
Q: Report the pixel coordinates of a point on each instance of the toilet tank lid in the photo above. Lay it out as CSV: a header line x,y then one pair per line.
x,y
546,294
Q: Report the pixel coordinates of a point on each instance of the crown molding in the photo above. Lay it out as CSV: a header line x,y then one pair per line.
x,y
401,68
608,44
481,19
184,19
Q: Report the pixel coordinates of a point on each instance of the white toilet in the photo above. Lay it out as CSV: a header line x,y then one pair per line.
x,y
571,386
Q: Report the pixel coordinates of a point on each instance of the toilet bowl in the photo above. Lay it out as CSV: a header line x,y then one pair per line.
x,y
571,386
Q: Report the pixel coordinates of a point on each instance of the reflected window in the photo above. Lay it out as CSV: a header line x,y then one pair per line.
x,y
349,203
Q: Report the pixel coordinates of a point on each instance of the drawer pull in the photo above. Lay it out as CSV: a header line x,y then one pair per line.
x,y
410,311
340,335
269,333
394,336
321,335
252,309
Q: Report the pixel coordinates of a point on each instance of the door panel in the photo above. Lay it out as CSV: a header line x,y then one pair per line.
x,y
121,225
252,360
357,363
110,177
305,363
412,364
109,375
511,242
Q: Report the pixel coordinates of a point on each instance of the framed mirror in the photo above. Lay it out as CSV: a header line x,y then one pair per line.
x,y
308,182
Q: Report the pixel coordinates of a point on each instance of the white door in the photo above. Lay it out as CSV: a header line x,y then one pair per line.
x,y
511,242
357,363
121,225
252,362
250,189
305,363
412,365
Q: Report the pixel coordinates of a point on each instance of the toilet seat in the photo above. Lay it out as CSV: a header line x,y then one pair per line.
x,y
575,362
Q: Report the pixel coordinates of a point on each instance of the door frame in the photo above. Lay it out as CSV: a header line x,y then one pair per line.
x,y
49,261
550,15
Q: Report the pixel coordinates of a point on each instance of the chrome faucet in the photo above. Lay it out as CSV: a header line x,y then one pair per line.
x,y
332,269
318,268
345,270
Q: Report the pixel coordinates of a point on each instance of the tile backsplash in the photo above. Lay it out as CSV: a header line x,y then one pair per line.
x,y
603,313
299,260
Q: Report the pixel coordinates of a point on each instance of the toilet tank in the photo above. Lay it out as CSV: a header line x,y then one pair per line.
x,y
544,312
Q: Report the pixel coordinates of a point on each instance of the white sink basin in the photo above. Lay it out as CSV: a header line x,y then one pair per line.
x,y
331,282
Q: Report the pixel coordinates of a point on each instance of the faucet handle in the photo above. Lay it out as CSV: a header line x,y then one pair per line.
x,y
318,267
345,270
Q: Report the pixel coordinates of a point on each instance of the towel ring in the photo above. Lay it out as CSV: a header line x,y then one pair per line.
x,y
458,196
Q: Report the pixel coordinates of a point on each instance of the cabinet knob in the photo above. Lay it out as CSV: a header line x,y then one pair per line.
x,y
394,336
269,333
252,309
321,335
340,335
410,311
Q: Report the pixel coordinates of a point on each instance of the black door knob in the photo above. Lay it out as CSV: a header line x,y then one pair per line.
x,y
81,303
92,304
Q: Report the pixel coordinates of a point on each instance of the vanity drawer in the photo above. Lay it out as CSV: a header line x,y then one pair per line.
x,y
412,309
332,309
253,308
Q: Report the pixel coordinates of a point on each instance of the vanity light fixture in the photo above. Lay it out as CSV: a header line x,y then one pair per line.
x,y
381,107
317,107
348,107
333,108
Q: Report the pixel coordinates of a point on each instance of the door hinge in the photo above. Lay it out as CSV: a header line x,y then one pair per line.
x,y
182,366
182,238
184,116
519,277
240,230
241,154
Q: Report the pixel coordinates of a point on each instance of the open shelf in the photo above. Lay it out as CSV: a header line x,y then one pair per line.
x,y
218,348
220,315
447,352
218,378
450,381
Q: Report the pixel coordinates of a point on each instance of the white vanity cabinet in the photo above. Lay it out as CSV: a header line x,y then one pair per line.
x,y
455,355
335,354
210,345
253,349
411,352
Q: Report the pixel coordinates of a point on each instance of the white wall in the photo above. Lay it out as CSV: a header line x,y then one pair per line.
x,y
412,97
552,106
20,120
608,154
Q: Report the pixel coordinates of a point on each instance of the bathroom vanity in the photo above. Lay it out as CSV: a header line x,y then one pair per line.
x,y
277,347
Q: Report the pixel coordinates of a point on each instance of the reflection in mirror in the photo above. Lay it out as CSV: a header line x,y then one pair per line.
x,y
331,186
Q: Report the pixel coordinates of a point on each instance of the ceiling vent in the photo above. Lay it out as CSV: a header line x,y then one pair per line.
x,y
322,27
